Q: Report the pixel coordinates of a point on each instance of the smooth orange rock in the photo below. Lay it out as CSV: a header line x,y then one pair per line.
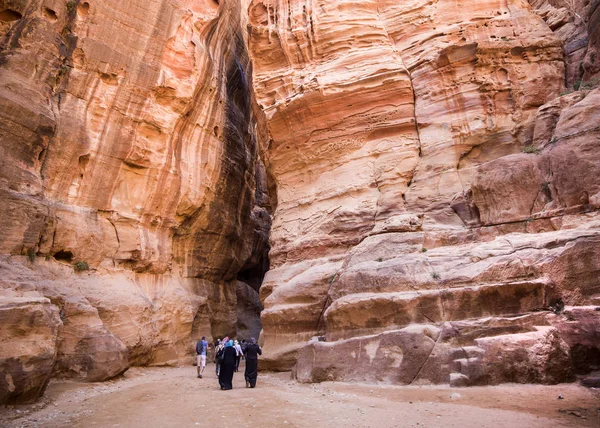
x,y
132,187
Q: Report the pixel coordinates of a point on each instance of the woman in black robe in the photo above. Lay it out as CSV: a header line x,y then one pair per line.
x,y
252,353
227,366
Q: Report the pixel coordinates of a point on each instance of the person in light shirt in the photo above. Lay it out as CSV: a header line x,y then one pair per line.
x,y
239,353
201,349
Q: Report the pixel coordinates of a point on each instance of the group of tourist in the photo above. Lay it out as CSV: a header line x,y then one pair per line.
x,y
228,354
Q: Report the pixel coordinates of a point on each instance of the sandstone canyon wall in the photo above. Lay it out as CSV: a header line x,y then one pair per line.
x,y
437,190
134,200
431,169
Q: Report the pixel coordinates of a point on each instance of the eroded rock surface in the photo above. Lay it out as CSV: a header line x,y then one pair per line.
x,y
576,23
133,193
430,176
426,184
28,345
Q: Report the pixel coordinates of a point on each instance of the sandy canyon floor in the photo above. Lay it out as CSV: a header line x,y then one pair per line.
x,y
159,397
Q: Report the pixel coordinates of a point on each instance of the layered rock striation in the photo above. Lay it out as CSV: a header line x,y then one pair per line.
x,y
135,207
436,193
424,174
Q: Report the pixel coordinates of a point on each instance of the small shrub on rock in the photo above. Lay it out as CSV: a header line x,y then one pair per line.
x,y
531,149
81,266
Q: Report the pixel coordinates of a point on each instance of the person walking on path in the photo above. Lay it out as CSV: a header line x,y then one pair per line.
x,y
238,356
227,366
219,354
201,348
252,353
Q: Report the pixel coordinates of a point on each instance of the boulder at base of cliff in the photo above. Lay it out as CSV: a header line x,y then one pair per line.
x,y
536,357
394,357
87,349
28,336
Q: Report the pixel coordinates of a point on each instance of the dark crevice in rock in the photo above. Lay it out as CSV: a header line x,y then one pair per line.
x,y
226,240
10,40
585,358
254,275
50,14
8,15
416,377
112,222
241,148
233,213
64,256
320,326
66,49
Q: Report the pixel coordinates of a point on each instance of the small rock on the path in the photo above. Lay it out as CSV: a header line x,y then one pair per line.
x,y
455,396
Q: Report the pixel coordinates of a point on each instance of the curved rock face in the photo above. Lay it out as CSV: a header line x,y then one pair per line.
x,y
420,151
120,136
133,193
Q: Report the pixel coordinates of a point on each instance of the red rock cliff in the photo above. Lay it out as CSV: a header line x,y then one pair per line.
x,y
437,188
430,167
134,198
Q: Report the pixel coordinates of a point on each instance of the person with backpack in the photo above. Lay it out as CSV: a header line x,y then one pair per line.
x,y
201,349
252,353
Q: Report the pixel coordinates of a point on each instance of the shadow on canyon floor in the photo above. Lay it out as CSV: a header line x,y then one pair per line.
x,y
159,397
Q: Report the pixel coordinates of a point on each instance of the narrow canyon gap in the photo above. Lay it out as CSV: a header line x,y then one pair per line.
x,y
418,183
